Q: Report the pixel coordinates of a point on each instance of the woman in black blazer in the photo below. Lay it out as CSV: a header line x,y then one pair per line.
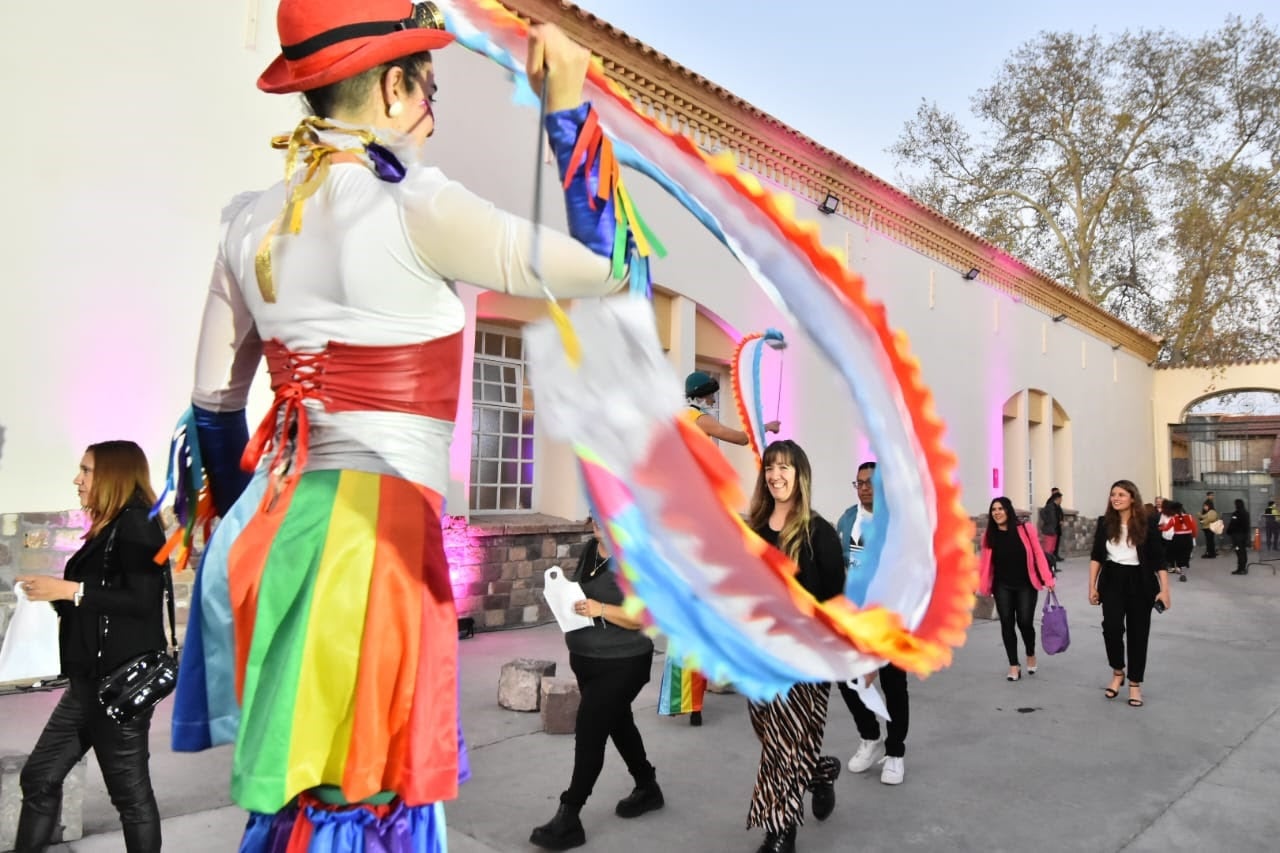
x,y
1127,576
110,602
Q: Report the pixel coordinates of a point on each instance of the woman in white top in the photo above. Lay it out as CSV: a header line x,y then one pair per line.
x,y
1127,577
323,635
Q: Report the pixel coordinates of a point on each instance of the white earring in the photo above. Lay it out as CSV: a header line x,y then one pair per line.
x,y
395,109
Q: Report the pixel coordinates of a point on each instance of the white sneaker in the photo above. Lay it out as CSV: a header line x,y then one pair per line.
x,y
894,770
869,752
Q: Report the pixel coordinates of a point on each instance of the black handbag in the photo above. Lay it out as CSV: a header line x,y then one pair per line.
x,y
138,685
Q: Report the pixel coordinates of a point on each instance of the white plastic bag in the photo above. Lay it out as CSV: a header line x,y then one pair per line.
x,y
561,594
30,650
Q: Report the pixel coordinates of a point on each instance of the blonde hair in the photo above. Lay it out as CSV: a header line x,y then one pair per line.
x,y
795,532
120,473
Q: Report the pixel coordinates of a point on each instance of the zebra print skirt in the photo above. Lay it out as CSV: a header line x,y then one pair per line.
x,y
790,731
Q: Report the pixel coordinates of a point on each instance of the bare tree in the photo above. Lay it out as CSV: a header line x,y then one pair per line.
x,y
1134,169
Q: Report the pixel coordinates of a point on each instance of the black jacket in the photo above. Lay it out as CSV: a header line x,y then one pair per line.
x,y
122,612
1150,553
821,563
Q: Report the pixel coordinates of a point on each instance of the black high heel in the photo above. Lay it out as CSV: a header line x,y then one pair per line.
x,y
1135,703
1015,677
1113,692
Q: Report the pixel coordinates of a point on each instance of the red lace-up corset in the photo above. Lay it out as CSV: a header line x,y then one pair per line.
x,y
417,379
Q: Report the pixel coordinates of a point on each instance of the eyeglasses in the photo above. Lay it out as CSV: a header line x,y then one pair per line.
x,y
862,484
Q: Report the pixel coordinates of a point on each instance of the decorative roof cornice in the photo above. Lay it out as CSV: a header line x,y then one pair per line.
x,y
1219,365
715,118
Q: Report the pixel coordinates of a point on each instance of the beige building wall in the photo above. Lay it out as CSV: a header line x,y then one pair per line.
x,y
108,261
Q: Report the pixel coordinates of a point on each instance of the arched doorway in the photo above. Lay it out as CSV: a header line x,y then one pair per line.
x,y
1037,449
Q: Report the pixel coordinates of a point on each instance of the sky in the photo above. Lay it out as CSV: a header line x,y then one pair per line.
x,y
850,74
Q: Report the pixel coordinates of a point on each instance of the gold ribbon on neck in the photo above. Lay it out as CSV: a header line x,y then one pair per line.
x,y
305,151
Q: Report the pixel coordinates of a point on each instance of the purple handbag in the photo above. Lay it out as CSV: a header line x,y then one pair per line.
x,y
1054,634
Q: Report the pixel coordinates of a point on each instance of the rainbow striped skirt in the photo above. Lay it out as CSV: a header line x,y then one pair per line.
x,y
322,642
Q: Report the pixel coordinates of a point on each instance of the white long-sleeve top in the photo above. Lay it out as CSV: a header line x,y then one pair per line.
x,y
373,265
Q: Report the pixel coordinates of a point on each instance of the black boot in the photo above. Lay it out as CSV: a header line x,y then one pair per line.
x,y
645,798
563,832
824,792
779,842
824,800
695,718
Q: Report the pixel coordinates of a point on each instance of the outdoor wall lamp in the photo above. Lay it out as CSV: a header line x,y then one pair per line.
x,y
971,274
830,204
1059,318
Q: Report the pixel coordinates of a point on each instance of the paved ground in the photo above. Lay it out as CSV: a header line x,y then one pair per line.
x,y
1042,765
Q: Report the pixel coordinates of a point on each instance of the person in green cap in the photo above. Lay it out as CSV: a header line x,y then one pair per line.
x,y
700,388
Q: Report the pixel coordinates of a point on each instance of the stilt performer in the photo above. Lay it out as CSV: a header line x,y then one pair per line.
x,y
322,636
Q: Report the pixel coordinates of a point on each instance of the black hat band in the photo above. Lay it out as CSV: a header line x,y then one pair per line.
x,y
425,16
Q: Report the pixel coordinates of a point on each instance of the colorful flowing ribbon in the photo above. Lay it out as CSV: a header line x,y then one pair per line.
x,y
730,601
744,371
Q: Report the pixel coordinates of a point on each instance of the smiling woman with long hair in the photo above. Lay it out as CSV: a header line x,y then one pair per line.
x,y
1013,568
1126,575
790,728
110,608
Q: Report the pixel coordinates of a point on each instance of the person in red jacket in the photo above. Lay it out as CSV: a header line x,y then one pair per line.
x,y
1013,568
1184,529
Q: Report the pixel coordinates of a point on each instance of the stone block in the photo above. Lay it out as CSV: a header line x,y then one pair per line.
x,y
40,562
984,607
6,554
72,823
38,538
560,700
9,524
519,683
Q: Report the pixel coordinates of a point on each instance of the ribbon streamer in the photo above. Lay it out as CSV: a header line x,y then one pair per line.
x,y
730,601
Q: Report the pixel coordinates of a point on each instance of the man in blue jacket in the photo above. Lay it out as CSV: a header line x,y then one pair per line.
x,y
852,529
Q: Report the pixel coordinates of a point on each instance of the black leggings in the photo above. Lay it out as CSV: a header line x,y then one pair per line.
x,y
77,725
1018,604
608,687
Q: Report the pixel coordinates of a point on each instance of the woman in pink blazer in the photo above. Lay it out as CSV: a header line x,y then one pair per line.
x,y
1013,568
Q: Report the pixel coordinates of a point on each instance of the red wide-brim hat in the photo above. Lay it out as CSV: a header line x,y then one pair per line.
x,y
324,41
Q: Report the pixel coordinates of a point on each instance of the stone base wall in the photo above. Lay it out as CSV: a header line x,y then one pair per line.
x,y
1077,532
35,543
496,564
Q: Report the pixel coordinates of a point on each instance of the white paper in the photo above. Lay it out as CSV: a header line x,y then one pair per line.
x,y
30,650
870,697
561,594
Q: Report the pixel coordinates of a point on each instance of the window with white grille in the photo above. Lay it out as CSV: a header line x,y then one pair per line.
x,y
501,424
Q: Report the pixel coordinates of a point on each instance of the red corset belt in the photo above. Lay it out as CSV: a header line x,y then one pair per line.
x,y
417,379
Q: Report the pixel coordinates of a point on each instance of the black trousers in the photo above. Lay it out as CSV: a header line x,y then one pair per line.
x,y
1242,553
1210,543
1017,604
607,686
77,725
1273,534
1127,597
893,682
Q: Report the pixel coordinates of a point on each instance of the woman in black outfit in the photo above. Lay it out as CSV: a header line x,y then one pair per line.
x,y
1127,575
611,660
1013,568
790,728
110,607
1238,530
